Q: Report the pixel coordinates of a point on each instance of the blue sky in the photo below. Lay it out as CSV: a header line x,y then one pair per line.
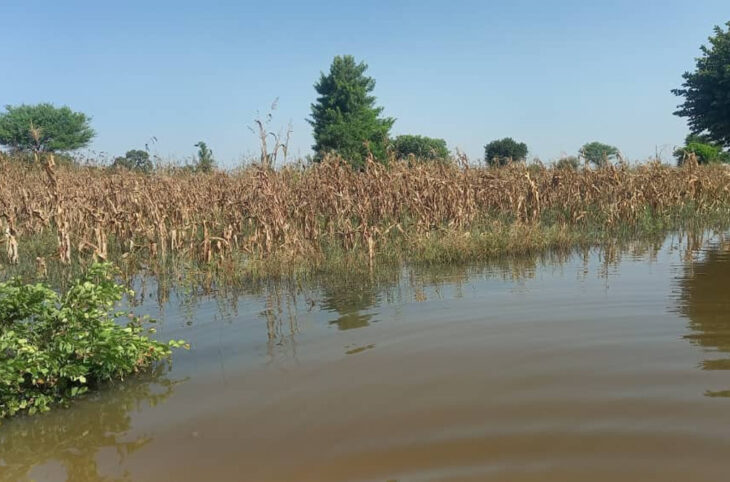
x,y
553,74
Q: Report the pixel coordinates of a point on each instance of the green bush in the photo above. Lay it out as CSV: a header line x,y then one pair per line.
x,y
134,160
705,151
55,347
420,147
503,151
569,162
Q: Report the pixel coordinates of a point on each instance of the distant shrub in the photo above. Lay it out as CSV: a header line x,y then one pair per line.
x,y
704,150
504,151
134,160
55,347
569,162
420,147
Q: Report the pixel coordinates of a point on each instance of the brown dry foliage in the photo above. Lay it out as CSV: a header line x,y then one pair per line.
x,y
299,211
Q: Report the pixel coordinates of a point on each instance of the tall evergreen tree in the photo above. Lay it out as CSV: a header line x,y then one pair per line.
x,y
345,118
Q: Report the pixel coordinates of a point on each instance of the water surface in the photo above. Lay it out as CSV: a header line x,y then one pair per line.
x,y
604,364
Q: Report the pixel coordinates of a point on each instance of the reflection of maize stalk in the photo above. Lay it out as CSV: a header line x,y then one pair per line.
x,y
62,226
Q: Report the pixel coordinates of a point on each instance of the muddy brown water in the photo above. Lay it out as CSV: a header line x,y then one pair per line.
x,y
601,365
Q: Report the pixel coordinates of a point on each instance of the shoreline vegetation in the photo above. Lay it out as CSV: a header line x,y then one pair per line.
x,y
57,347
298,220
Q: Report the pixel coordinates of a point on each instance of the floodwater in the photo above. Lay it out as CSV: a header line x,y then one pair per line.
x,y
606,364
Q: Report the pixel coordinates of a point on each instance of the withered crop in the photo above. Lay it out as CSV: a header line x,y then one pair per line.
x,y
302,213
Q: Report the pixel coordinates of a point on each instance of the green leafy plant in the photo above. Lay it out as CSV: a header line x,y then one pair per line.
x,y
420,147
344,118
504,151
44,128
56,347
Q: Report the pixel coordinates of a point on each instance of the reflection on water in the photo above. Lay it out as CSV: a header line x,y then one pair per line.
x,y
350,301
705,300
359,349
74,437
281,319
353,297
561,366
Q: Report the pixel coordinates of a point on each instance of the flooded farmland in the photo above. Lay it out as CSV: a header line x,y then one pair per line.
x,y
597,365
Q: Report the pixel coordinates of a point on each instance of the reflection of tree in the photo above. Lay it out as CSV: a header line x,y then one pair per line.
x,y
74,436
704,300
349,301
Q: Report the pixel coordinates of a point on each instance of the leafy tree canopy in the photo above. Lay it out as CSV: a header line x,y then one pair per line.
x,y
345,118
504,151
420,147
44,128
134,160
706,91
598,153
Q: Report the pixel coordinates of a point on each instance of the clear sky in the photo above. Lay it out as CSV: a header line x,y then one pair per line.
x,y
553,74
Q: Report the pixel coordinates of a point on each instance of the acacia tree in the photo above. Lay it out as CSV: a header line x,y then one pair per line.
x,y
345,118
44,128
503,151
706,91
597,153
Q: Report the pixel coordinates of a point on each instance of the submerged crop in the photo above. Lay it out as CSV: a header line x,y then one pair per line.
x,y
309,216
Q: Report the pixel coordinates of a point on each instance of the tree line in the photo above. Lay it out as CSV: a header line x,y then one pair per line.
x,y
346,121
